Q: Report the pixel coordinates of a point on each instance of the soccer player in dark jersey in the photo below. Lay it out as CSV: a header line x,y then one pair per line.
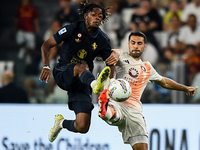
x,y
82,41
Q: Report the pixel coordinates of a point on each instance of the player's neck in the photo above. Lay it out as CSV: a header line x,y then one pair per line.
x,y
91,30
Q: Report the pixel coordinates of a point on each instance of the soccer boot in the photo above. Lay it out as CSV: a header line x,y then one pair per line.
x,y
103,103
56,128
104,75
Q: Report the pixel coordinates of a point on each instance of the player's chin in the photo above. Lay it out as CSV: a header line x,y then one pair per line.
x,y
95,25
136,55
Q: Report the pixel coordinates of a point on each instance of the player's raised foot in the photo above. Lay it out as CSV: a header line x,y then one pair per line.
x,y
104,75
103,103
56,128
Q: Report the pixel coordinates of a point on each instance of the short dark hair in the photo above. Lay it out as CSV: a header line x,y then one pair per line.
x,y
138,33
89,7
190,46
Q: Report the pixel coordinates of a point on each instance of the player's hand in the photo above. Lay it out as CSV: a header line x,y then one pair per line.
x,y
112,59
45,75
191,91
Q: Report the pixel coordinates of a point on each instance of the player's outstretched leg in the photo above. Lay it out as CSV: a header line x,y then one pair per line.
x,y
104,75
56,128
103,103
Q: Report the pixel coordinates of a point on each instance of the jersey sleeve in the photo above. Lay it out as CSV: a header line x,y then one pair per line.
x,y
106,50
63,34
154,74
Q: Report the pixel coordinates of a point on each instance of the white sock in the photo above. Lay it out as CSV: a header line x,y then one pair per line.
x,y
108,114
117,116
92,84
106,84
60,125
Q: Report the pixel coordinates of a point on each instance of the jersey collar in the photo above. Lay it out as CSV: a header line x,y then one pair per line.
x,y
94,35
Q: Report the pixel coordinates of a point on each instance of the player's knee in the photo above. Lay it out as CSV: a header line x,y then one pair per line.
x,y
140,146
80,68
82,127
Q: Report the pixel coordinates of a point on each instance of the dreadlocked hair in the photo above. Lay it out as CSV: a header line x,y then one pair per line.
x,y
89,7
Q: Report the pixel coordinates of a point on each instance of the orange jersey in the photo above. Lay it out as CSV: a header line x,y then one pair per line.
x,y
138,73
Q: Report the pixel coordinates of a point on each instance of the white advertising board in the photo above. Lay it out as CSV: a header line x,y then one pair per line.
x,y
26,127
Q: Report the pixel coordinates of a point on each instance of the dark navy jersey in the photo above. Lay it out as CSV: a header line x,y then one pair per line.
x,y
80,47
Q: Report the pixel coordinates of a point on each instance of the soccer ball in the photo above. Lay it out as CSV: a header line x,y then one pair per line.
x,y
120,90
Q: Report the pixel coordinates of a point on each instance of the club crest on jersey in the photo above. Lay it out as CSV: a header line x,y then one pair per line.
x,y
63,30
143,68
77,40
94,46
79,35
133,72
82,53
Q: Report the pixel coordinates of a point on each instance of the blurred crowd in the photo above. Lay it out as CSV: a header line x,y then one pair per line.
x,y
172,28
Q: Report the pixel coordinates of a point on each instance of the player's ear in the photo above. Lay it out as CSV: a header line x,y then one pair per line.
x,y
85,16
145,46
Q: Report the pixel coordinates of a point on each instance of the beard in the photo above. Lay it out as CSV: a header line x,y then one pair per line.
x,y
135,55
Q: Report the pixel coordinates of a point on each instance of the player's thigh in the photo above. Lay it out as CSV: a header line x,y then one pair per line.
x,y
65,79
139,142
83,111
140,146
81,108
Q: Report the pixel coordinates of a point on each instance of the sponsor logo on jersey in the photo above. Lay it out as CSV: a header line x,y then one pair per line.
x,y
77,40
94,46
82,53
133,72
63,30
126,61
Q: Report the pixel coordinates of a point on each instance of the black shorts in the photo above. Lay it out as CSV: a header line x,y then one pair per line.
x,y
77,91
65,79
81,107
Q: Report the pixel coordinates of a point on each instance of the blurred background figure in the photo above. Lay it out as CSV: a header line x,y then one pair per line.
x,y
173,10
149,14
143,26
192,61
192,7
161,95
170,39
11,93
115,27
67,14
26,23
189,34
41,92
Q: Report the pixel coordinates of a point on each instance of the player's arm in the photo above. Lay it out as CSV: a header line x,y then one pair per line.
x,y
45,49
112,68
112,59
172,85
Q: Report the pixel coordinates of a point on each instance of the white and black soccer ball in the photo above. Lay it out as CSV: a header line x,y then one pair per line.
x,y
120,90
